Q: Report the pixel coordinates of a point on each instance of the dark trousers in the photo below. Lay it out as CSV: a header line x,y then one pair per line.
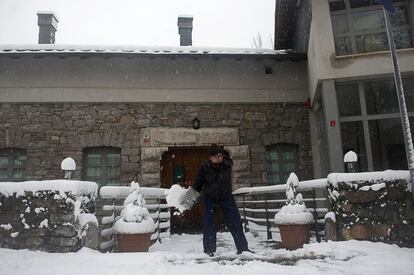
x,y
232,218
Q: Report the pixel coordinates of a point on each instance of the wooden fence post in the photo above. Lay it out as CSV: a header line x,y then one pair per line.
x,y
269,234
113,222
246,229
315,216
158,220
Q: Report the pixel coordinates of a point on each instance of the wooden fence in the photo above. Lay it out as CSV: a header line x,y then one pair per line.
x,y
114,197
258,206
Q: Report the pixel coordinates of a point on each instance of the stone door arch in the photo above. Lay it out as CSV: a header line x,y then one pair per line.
x,y
155,141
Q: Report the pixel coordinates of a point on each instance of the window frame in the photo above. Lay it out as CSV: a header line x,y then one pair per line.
x,y
12,154
365,117
280,148
353,34
104,178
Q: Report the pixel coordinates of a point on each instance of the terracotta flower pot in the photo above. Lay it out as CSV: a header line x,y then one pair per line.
x,y
133,242
294,236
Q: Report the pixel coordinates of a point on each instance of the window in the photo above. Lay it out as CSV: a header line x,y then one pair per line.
x,y
12,164
102,165
387,143
281,160
352,134
340,23
381,97
370,122
367,20
408,84
336,5
348,100
360,3
359,26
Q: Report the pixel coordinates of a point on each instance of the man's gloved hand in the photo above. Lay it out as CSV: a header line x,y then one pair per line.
x,y
189,198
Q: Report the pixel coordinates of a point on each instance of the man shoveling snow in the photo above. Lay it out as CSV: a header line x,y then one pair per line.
x,y
214,178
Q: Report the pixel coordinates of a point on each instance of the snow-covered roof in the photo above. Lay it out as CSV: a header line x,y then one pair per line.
x,y
145,50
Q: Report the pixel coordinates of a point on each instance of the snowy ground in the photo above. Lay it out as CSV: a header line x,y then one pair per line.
x,y
182,254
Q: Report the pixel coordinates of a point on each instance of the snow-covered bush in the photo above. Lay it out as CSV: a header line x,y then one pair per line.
x,y
52,215
135,218
295,211
375,206
83,219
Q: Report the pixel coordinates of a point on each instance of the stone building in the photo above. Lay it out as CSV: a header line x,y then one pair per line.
x,y
127,113
130,112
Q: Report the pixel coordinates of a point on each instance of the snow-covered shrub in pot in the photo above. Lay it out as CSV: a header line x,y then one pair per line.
x,y
135,226
294,219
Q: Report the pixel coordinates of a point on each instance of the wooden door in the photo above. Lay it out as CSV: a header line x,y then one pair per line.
x,y
180,166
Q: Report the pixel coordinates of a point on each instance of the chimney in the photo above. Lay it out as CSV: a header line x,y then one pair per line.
x,y
47,22
185,27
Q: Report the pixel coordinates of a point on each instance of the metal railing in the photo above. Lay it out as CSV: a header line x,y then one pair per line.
x,y
114,197
258,206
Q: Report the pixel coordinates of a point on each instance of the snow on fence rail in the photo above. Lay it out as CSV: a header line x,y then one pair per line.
x,y
306,185
121,192
160,212
258,206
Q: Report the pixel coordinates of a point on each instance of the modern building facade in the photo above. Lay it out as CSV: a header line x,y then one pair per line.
x,y
351,85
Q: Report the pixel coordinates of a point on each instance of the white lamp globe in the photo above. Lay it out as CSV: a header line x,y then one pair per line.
x,y
68,164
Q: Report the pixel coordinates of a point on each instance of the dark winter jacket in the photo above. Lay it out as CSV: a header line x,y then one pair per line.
x,y
216,181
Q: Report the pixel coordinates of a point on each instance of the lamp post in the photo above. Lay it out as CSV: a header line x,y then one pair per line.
x,y
389,8
196,123
69,166
350,159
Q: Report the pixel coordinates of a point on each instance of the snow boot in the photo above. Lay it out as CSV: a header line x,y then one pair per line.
x,y
247,250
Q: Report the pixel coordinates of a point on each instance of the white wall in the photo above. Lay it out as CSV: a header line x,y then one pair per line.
x,y
144,79
324,65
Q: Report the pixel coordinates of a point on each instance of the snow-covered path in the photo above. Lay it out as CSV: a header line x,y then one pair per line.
x,y
182,254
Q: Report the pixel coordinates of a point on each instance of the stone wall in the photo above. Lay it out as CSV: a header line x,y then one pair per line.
x,y
375,210
51,132
45,220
